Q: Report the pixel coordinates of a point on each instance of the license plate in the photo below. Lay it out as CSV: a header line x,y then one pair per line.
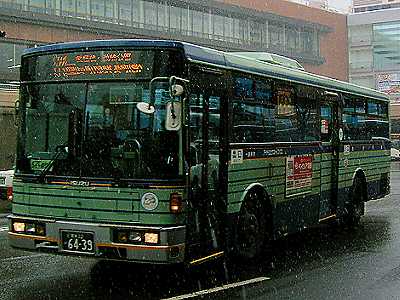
x,y
79,242
2,180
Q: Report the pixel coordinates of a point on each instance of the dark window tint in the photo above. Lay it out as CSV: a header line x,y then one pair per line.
x,y
244,88
354,127
254,114
253,122
372,108
348,104
360,106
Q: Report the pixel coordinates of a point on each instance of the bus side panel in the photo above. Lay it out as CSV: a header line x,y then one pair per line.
x,y
291,209
373,159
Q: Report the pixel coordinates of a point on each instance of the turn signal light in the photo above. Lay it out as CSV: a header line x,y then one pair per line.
x,y
10,193
175,202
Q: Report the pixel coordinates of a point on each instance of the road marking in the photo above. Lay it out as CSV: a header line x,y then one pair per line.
x,y
22,257
5,228
220,288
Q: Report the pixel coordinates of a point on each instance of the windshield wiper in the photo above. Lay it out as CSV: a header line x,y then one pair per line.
x,y
59,150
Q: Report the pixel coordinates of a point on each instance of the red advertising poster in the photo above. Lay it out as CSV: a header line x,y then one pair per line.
x,y
299,172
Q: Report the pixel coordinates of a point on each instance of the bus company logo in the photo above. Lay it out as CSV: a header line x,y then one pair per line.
x,y
79,183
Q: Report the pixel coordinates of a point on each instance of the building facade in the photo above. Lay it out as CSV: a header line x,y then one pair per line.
x,y
374,55
282,27
322,4
370,5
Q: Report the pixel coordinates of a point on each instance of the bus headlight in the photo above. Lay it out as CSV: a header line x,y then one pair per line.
x,y
19,227
151,238
33,228
149,201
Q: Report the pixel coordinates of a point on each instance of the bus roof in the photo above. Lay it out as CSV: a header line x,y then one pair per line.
x,y
222,59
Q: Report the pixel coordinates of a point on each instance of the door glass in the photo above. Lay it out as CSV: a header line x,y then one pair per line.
x,y
198,121
213,140
326,123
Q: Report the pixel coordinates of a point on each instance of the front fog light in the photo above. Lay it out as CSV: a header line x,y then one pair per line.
x,y
151,238
122,236
135,237
19,227
40,229
30,228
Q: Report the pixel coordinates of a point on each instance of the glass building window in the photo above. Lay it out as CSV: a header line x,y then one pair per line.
x,y
175,18
207,23
229,28
124,10
197,22
52,6
163,14
38,6
150,11
244,29
138,13
109,9
236,29
276,33
68,7
255,31
97,8
306,41
186,21
292,38
218,26
82,7
386,45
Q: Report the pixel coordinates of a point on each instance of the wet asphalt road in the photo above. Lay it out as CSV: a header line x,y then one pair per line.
x,y
326,262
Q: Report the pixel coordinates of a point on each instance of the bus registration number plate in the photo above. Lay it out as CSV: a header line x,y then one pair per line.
x,y
79,242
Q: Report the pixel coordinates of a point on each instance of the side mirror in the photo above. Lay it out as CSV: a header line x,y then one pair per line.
x,y
145,108
173,119
176,90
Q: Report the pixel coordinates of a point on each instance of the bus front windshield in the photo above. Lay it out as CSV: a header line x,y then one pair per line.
x,y
99,130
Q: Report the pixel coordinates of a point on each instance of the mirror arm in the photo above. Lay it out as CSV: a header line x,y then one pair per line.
x,y
171,81
16,112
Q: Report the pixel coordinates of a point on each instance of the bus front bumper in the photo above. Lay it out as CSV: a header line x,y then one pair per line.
x,y
147,244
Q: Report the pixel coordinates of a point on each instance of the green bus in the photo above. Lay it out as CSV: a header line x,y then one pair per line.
x,y
167,152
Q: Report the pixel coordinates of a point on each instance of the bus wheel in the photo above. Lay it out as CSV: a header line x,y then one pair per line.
x,y
251,227
356,205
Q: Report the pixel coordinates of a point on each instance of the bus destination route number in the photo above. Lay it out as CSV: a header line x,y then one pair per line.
x,y
81,242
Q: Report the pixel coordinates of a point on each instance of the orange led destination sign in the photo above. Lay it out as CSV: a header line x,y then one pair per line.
x,y
108,63
96,65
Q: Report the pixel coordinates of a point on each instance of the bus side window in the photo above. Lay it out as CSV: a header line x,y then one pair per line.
x,y
326,123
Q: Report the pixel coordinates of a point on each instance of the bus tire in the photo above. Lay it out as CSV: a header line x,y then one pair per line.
x,y
355,207
251,230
